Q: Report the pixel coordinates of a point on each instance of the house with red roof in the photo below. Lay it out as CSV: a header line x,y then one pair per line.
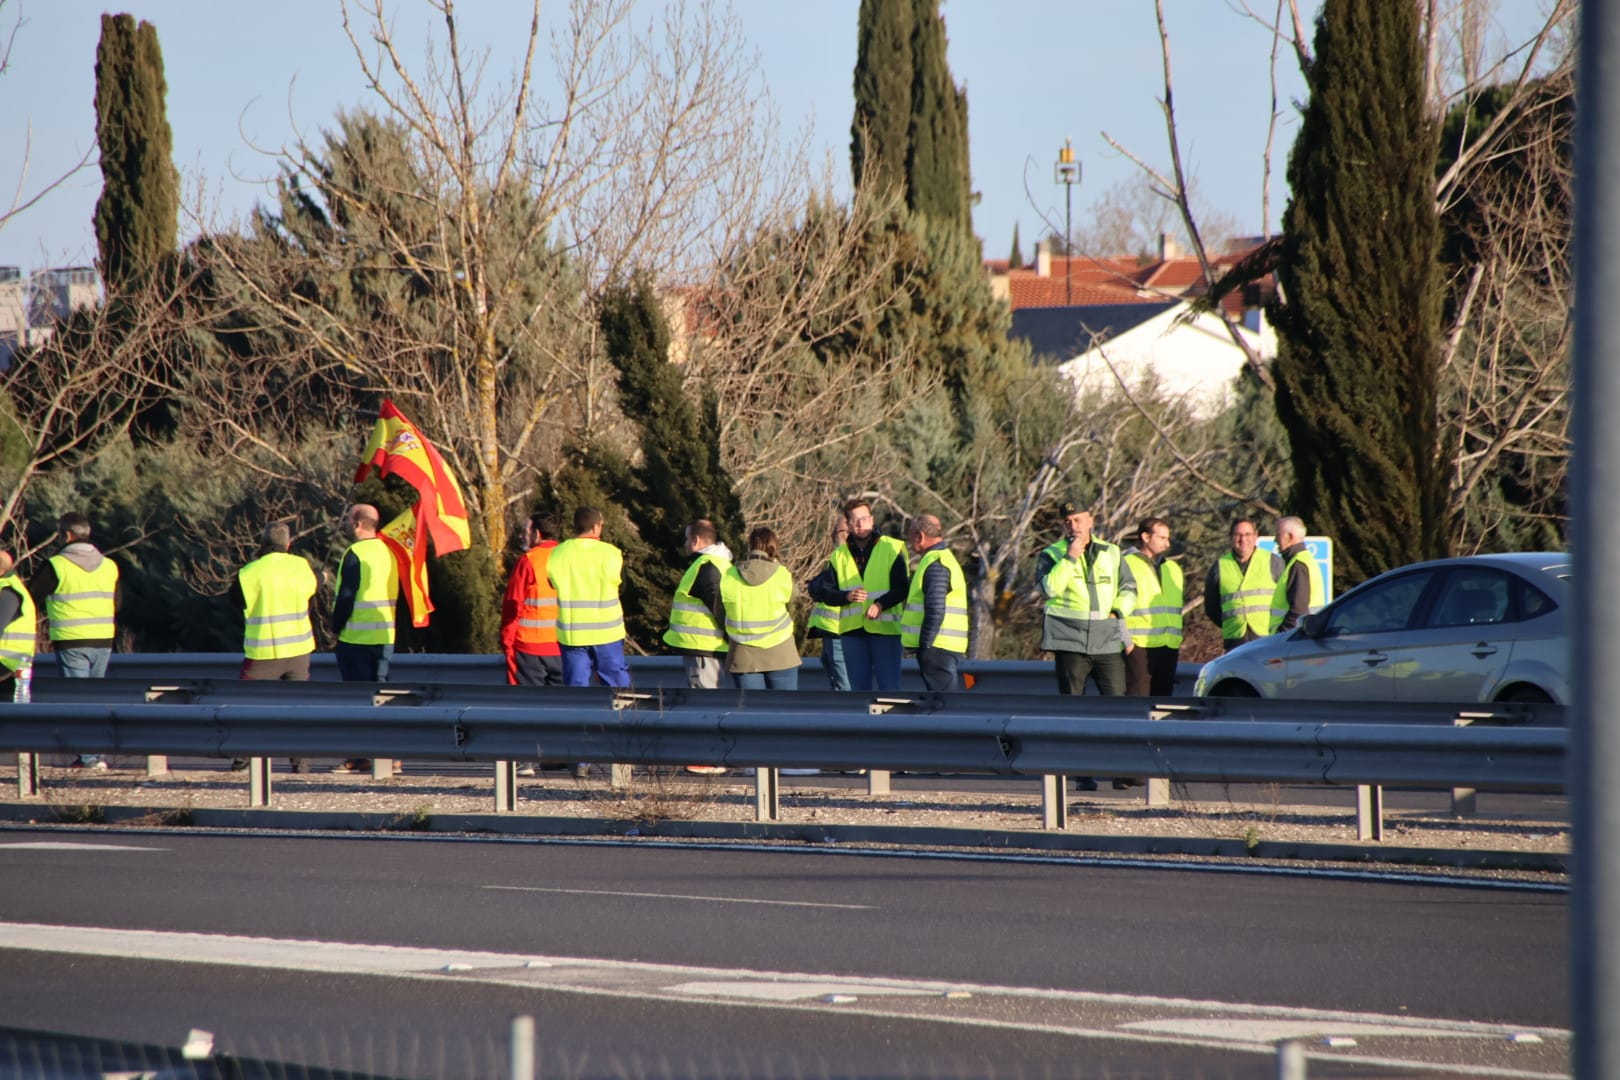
x,y
1112,319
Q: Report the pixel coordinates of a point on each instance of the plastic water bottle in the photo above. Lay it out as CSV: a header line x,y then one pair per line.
x,y
24,690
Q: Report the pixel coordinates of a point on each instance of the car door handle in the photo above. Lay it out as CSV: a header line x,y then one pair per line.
x,y
1373,659
1484,649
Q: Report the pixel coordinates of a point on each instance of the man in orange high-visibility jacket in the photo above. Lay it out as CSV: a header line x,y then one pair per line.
x,y
529,610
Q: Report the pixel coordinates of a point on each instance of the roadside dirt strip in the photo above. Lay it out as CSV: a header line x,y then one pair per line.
x,y
1366,1039
1524,837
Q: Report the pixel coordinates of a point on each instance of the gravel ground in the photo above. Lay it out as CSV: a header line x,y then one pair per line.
x,y
1249,814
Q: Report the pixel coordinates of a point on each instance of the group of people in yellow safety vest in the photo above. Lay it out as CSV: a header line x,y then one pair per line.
x,y
1111,617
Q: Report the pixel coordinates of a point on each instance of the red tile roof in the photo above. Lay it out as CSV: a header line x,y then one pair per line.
x,y
1036,292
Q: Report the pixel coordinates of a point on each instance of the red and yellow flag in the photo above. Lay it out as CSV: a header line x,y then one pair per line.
x,y
397,448
407,539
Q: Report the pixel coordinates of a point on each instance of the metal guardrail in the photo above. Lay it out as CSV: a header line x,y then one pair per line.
x,y
1047,735
647,672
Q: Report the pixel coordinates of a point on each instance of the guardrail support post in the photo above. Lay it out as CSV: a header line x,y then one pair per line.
x,y
877,781
1158,791
1369,812
767,795
157,765
522,1048
619,777
1291,1060
1463,801
27,775
505,787
259,781
1054,802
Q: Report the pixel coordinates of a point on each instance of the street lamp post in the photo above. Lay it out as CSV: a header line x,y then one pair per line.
x,y
1067,172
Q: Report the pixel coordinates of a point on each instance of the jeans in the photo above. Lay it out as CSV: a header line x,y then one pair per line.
x,y
605,661
81,663
786,679
938,668
362,663
873,661
832,662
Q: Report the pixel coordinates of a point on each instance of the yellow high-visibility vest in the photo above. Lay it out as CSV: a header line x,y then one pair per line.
x,y
1080,592
691,623
1279,599
82,606
841,619
1245,595
953,628
585,572
17,637
757,615
372,621
1155,618
276,590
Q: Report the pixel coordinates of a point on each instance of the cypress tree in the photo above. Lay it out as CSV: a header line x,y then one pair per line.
x,y
1015,261
937,166
881,133
910,116
1359,320
137,215
679,477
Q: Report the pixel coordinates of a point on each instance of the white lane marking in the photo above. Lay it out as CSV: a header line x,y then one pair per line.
x,y
680,896
66,845
1273,1031
634,980
790,991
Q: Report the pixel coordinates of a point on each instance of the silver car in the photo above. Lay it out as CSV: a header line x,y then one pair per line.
x,y
1480,628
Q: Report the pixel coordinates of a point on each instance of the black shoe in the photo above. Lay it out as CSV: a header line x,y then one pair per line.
x,y
239,764
1121,783
1084,783
298,764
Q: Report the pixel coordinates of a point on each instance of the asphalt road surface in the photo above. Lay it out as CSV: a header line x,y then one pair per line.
x,y
407,956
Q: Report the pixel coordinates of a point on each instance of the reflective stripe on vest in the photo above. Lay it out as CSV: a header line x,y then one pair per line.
x,y
17,637
844,618
1155,618
585,572
1279,599
757,615
277,588
372,621
691,624
953,627
1085,592
82,605
537,617
1246,595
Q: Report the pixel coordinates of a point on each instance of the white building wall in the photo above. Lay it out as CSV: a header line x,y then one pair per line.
x,y
1196,360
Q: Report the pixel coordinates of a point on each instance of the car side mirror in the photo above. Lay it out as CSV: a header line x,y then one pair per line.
x,y
1312,625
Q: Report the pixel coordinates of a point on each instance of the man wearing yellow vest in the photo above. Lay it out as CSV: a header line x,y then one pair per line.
x,y
696,615
1299,588
17,623
363,610
1154,624
1239,587
274,593
858,599
78,588
529,610
585,571
935,622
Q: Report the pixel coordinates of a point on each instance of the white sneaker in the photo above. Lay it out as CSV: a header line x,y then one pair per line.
x,y
525,770
707,770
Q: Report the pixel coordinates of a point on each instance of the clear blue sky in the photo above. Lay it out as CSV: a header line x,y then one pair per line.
x,y
1036,71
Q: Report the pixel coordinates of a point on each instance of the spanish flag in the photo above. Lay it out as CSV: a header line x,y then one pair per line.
x,y
397,448
407,539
